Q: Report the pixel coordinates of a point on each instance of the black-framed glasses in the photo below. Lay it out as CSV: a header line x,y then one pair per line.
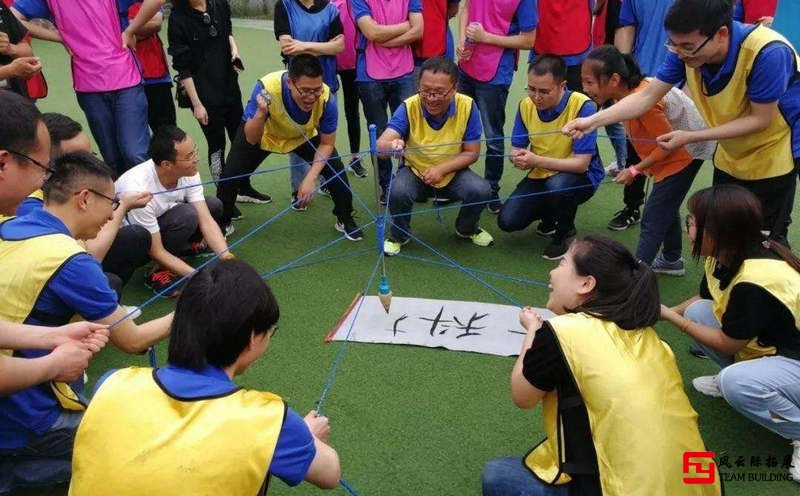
x,y
114,201
435,95
315,92
672,47
212,29
538,91
48,169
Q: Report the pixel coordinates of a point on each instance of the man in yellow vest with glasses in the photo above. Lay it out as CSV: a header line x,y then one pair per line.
x,y
47,279
745,82
438,131
201,433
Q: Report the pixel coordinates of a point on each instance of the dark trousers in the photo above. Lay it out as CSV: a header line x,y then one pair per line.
x,y
221,119
776,195
574,82
129,251
180,225
661,221
534,198
633,194
245,159
160,105
351,114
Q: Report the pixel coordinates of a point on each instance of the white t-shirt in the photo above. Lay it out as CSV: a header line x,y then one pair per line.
x,y
143,177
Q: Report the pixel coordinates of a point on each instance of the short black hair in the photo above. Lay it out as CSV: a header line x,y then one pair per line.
x,y
19,124
441,64
73,172
61,128
705,16
163,141
304,65
218,310
607,60
548,63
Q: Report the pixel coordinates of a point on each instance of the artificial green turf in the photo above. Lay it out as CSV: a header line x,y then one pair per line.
x,y
410,420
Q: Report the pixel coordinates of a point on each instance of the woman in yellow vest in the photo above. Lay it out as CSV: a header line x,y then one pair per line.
x,y
615,414
187,428
747,316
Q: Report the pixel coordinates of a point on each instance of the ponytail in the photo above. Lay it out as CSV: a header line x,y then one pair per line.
x,y
784,252
609,61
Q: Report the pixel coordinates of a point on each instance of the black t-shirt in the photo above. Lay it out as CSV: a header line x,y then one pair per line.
x,y
16,32
545,367
203,53
753,311
282,26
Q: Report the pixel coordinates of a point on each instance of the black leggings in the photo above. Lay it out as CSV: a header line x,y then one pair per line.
x,y
220,120
351,114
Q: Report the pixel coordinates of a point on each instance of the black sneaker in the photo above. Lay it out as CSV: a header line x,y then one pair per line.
x,y
236,214
495,205
697,351
160,280
546,228
350,229
441,201
624,219
250,195
296,206
324,191
558,246
383,198
357,168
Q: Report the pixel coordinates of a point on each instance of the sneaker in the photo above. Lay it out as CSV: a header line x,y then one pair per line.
x,y
480,238
663,266
324,191
559,244
236,214
250,195
613,169
296,206
707,385
624,219
495,205
441,201
197,249
546,228
794,469
391,247
696,351
229,230
382,199
160,280
350,229
357,167
131,312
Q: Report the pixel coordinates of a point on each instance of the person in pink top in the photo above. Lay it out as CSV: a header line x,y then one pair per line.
x,y
106,77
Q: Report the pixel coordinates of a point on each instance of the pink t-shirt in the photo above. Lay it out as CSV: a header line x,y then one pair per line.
x,y
91,31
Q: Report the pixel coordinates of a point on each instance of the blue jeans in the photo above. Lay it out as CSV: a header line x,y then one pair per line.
x,y
46,460
375,97
661,221
491,101
118,120
533,198
298,171
765,390
616,134
508,476
466,186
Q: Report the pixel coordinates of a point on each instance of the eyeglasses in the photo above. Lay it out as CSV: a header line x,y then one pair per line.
x,y
48,169
538,91
687,52
194,157
114,201
689,222
435,95
315,92
212,29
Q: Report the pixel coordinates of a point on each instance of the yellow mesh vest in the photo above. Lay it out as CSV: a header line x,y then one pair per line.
x,y
281,133
555,144
640,418
37,195
421,134
135,440
26,267
756,156
776,276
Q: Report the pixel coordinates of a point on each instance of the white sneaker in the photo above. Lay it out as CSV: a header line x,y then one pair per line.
x,y
612,169
707,385
134,312
794,470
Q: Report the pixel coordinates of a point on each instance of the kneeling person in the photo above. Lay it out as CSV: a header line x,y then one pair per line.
x,y
180,219
563,173
236,438
437,114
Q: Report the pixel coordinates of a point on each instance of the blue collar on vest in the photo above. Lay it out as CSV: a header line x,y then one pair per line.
x,y
723,73
552,113
37,223
192,384
433,121
295,112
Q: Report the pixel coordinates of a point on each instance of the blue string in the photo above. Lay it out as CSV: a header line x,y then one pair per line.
x,y
289,267
530,282
347,487
340,353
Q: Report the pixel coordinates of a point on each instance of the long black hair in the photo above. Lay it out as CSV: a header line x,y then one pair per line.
x,y
606,61
218,311
626,290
